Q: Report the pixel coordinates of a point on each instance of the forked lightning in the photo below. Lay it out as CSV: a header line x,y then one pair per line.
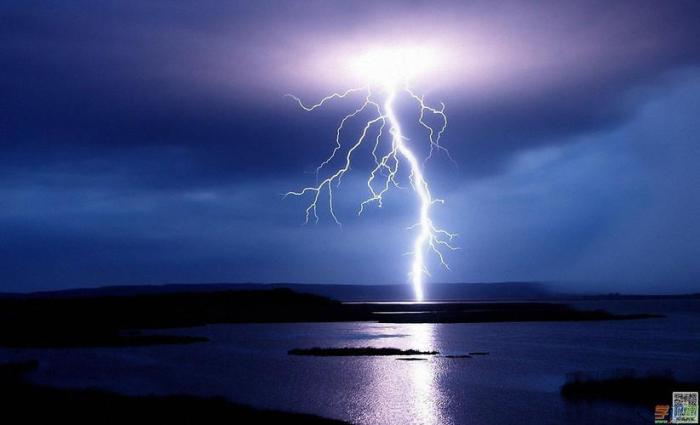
x,y
380,104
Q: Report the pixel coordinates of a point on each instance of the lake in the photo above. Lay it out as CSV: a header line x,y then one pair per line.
x,y
518,382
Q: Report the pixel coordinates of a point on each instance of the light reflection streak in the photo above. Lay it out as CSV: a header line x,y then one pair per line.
x,y
401,389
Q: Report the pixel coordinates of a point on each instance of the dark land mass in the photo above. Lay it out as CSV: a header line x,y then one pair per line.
x,y
357,351
492,291
625,387
88,336
32,403
345,293
117,320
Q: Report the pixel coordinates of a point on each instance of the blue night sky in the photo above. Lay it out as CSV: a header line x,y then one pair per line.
x,y
150,142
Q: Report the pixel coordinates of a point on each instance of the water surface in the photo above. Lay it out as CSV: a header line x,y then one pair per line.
x,y
517,383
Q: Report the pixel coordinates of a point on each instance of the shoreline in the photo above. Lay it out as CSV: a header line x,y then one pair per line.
x,y
32,402
114,321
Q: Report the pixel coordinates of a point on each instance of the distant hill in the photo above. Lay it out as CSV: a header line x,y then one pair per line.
x,y
347,293
102,320
433,292
496,291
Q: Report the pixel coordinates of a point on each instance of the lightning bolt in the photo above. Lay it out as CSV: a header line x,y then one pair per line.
x,y
383,176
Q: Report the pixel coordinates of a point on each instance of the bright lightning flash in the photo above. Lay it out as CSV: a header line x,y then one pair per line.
x,y
388,72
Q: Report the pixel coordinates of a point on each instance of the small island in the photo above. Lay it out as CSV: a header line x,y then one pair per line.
x,y
357,351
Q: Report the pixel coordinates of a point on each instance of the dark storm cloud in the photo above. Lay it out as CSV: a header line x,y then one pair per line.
x,y
142,141
86,80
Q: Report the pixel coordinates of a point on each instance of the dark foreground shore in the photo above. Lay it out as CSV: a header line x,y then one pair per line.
x,y
625,386
31,403
123,320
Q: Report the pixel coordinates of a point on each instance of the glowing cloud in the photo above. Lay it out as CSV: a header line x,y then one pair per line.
x,y
388,66
388,72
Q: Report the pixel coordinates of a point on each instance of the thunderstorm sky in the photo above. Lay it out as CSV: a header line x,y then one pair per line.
x,y
150,142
